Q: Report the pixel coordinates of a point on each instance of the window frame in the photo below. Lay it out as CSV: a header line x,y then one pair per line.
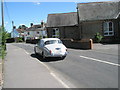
x,y
28,33
38,32
55,31
106,29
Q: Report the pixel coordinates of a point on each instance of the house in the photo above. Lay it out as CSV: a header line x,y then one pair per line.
x,y
63,25
14,34
80,27
90,19
20,32
100,17
35,32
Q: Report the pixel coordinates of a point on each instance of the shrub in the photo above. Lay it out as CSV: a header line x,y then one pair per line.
x,y
98,37
20,39
2,42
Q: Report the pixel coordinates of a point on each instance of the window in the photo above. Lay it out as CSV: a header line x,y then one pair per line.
x,y
28,33
37,32
53,42
55,32
108,28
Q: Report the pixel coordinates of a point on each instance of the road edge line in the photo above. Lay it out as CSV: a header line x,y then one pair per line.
x,y
98,60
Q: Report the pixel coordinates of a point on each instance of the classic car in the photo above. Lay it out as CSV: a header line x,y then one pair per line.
x,y
50,47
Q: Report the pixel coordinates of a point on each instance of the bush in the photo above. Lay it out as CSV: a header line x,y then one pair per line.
x,y
98,37
2,42
20,39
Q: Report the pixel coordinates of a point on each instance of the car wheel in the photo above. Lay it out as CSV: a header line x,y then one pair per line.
x,y
43,55
35,51
63,57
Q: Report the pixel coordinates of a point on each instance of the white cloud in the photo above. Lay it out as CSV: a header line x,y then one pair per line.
x,y
116,0
22,24
36,3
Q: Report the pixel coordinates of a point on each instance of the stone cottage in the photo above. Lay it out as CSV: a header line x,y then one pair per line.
x,y
100,17
63,25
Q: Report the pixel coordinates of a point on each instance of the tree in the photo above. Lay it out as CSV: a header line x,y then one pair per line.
x,y
3,37
8,35
22,27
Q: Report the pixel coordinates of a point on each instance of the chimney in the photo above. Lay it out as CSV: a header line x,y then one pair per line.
x,y
14,27
42,23
31,24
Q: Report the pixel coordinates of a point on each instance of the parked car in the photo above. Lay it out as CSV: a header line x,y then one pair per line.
x,y
50,47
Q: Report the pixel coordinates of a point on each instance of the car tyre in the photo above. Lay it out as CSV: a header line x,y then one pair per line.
x,y
43,55
63,57
35,51
44,58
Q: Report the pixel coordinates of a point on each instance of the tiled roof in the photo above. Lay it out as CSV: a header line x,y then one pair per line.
x,y
62,19
98,10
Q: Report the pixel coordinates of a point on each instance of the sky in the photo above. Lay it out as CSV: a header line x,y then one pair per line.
x,y
34,12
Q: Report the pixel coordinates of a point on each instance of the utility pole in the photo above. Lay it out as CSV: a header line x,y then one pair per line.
x,y
13,28
2,12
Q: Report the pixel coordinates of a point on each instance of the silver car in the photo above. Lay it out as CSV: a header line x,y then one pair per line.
x,y
50,47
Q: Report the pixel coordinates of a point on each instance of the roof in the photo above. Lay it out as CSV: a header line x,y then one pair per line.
x,y
62,19
98,10
20,30
46,39
34,28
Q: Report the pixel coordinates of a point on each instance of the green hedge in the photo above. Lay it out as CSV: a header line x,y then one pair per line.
x,y
3,36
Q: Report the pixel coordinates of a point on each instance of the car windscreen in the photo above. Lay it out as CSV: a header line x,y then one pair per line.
x,y
53,42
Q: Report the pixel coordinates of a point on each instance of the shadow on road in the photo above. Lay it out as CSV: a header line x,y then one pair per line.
x,y
50,59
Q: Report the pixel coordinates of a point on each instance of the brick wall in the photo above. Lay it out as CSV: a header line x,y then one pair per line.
x,y
81,44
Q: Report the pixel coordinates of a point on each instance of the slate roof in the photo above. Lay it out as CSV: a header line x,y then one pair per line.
x,y
20,30
62,19
34,28
98,10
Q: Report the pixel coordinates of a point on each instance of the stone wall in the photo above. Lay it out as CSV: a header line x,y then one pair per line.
x,y
81,44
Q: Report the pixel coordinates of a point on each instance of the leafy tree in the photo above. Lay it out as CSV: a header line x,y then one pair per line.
x,y
8,35
22,27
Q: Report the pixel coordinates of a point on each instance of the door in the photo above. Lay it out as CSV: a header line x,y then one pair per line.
x,y
41,46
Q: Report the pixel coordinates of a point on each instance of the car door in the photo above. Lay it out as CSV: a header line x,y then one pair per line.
x,y
37,47
40,47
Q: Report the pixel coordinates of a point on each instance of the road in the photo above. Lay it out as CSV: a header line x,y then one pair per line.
x,y
97,68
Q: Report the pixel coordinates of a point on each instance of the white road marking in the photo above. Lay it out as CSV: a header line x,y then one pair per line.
x,y
53,74
98,60
26,52
57,78
66,86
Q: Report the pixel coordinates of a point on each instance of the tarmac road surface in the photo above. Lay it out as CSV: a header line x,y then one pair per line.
x,y
97,68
